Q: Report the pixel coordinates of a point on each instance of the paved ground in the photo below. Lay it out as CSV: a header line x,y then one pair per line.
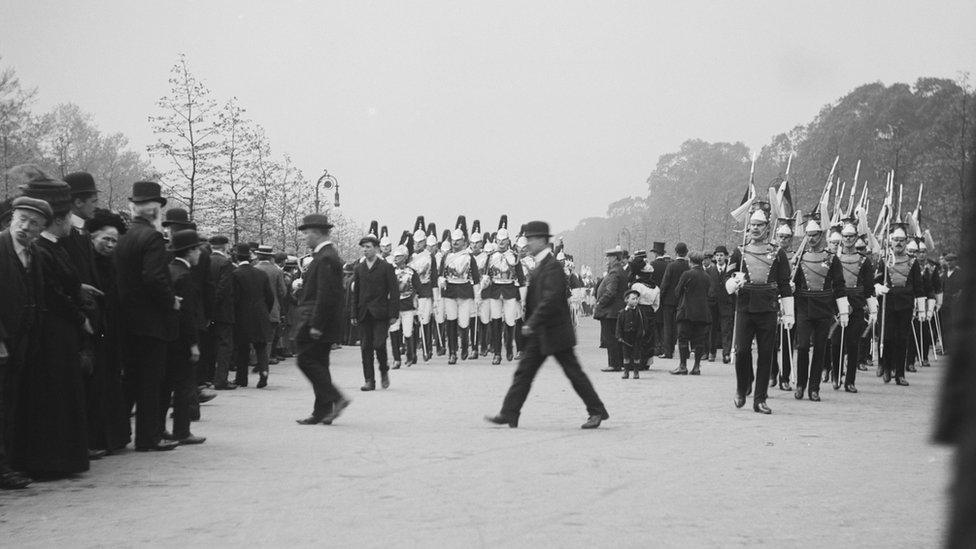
x,y
415,466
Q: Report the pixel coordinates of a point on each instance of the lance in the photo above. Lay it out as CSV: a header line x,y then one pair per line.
x,y
745,235
931,335
806,238
915,340
792,356
938,331
789,162
850,200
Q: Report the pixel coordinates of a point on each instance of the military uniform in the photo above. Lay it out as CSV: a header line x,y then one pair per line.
x,y
899,281
458,276
858,273
505,277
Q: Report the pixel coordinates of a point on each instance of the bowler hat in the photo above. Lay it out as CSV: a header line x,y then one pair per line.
x,y
183,240
315,221
35,205
658,248
721,250
537,229
177,216
265,250
33,182
219,240
147,191
81,183
242,251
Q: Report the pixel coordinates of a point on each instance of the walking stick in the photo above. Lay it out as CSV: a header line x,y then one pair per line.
x,y
938,330
840,356
915,340
790,352
932,336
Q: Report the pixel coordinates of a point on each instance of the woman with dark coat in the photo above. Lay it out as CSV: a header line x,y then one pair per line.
x,y
108,421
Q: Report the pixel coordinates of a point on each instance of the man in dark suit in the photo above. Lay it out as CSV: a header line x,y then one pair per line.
x,y
376,297
659,261
183,352
219,341
669,298
253,300
19,316
548,330
722,309
149,309
693,292
609,303
320,319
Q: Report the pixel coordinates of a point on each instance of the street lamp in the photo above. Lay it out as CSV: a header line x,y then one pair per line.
x,y
327,181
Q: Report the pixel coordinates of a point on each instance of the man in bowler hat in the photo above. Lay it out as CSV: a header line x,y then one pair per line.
x,y
548,330
320,321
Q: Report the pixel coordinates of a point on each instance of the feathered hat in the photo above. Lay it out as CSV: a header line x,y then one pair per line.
x,y
502,233
476,235
419,226
460,231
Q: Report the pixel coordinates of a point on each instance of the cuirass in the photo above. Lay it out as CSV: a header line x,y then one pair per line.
x,y
457,265
528,264
851,266
815,266
404,277
898,271
501,266
758,262
481,260
421,263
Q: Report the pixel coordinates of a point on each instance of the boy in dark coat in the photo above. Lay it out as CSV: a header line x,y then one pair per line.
x,y
630,333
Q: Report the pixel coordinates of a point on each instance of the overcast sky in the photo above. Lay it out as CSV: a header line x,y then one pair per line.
x,y
544,110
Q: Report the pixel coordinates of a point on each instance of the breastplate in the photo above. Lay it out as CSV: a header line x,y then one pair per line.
x,y
851,266
758,262
481,260
421,263
898,271
815,266
405,282
528,264
457,267
501,267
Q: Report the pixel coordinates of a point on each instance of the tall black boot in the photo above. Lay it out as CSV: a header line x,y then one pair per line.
x,y
473,336
425,331
519,339
452,330
696,369
495,331
465,342
396,340
441,332
509,336
483,338
411,344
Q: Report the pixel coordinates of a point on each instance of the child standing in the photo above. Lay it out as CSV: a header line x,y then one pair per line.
x,y
630,333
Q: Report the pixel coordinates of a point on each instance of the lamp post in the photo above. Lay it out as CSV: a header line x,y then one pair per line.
x,y
327,181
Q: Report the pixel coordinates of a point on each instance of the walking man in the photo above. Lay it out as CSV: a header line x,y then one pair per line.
x,y
548,330
692,293
376,298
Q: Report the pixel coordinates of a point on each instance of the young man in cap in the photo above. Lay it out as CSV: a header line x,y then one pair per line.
x,y
253,299
376,301
762,278
548,330
319,319
276,277
149,309
669,299
219,348
20,296
183,354
609,302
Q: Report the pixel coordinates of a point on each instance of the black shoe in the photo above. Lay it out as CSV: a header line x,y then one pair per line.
x,y
726,359
12,480
96,454
695,371
739,400
611,369
161,446
798,394
815,396
191,439
509,356
711,357
370,385
862,367
452,360
441,351
396,365
502,420
925,364
464,353
496,360
911,368
772,381
626,374
880,371
263,382
836,384
592,422
901,381
785,386
384,380
310,420
229,386
205,396
887,375
518,356
680,371
337,409
761,408
850,388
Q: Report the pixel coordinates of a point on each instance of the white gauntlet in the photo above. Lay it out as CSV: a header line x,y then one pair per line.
x,y
872,309
843,311
786,307
881,289
920,308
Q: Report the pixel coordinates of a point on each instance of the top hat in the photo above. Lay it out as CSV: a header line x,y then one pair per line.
x,y
177,216
658,248
242,251
183,240
81,183
265,250
315,221
147,191
35,205
536,229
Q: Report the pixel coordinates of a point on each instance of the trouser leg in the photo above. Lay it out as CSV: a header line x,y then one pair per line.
x,y
684,333
765,338
821,328
522,379
367,347
745,331
313,361
147,363
580,382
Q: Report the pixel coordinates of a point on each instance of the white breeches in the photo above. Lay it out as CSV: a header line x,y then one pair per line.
x,y
460,310
405,323
507,309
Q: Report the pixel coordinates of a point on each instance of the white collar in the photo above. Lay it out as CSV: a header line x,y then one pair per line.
x,y
542,255
77,222
184,261
219,252
321,245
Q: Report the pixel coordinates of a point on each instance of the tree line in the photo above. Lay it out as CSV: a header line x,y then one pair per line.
x,y
924,132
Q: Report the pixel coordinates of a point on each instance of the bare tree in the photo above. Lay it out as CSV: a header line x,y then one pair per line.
x,y
236,168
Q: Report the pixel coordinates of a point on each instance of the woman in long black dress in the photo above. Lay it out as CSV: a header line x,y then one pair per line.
x,y
53,434
108,420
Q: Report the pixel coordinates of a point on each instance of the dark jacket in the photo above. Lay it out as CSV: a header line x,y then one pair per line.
x,y
321,297
375,290
221,272
669,284
79,247
21,292
630,318
252,302
660,265
191,313
547,311
145,288
720,297
610,294
693,291
206,283
276,278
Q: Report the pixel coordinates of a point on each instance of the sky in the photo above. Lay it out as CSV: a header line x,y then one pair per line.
x,y
539,110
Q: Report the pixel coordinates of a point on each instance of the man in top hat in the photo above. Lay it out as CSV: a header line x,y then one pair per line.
x,y
899,283
609,303
253,300
276,277
763,276
722,308
179,385
149,309
376,302
669,298
219,348
319,319
458,277
821,297
505,277
20,296
424,264
858,273
548,331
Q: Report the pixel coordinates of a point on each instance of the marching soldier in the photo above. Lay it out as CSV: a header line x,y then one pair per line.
x,y
505,277
763,277
458,276
424,263
820,295
401,332
932,278
784,338
858,273
481,311
899,283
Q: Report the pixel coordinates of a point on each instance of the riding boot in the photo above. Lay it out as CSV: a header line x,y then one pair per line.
x,y
452,330
440,329
396,339
495,334
484,338
465,342
508,340
411,344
